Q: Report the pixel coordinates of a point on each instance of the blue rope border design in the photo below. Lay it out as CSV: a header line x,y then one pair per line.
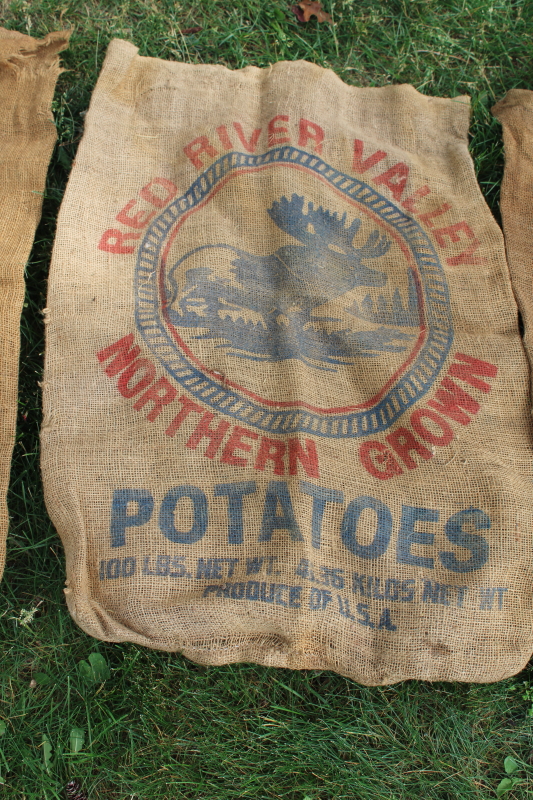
x,y
408,389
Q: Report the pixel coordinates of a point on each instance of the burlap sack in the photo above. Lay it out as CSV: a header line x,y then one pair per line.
x,y
28,73
515,113
286,399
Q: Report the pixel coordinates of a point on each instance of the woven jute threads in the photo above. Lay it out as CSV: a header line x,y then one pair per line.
x,y
28,73
515,113
286,398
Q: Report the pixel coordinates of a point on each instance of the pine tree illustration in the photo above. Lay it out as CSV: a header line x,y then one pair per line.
x,y
73,791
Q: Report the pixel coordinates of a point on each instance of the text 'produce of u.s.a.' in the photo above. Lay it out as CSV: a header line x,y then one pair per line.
x,y
286,397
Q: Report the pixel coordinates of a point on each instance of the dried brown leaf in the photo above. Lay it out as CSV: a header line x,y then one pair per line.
x,y
308,8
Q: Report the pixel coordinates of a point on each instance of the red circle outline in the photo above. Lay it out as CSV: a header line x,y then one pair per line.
x,y
293,404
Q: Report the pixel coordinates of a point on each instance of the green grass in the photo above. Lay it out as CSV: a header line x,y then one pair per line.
x,y
160,727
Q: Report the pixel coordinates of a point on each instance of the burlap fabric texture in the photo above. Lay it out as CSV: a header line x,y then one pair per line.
x,y
515,113
28,73
286,399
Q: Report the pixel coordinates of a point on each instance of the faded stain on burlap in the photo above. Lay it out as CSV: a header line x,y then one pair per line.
x,y
28,73
286,399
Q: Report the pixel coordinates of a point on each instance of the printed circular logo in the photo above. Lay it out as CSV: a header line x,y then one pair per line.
x,y
293,297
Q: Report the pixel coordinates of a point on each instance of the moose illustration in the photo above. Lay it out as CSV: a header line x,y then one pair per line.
x,y
284,289
299,278
302,277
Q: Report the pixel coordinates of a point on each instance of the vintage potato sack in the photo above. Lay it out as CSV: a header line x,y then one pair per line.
x,y
28,73
515,113
286,399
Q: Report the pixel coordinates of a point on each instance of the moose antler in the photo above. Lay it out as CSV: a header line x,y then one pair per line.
x,y
290,217
328,228
332,229
375,246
